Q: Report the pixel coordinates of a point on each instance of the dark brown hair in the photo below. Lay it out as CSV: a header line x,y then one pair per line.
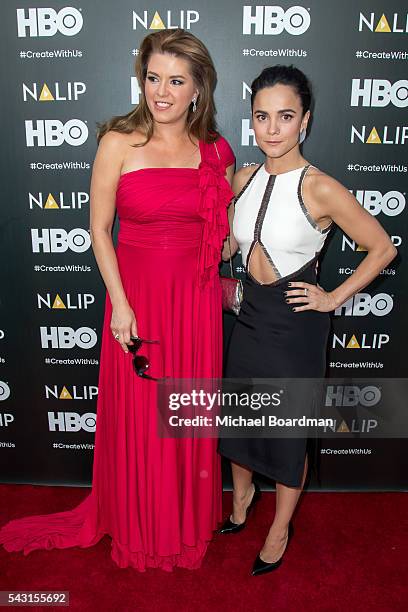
x,y
284,75
180,43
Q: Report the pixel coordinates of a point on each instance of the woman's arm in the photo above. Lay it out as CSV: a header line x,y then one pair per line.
x,y
334,201
105,177
230,240
240,178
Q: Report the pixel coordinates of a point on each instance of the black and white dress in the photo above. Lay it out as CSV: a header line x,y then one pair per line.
x,y
269,340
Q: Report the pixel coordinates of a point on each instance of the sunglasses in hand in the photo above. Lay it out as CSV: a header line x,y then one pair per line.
x,y
140,363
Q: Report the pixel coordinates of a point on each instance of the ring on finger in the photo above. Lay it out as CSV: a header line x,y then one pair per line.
x,y
306,292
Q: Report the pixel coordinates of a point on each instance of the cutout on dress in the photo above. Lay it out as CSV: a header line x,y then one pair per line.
x,y
260,266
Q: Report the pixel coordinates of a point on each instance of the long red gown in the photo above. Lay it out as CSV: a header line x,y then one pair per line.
x,y
158,499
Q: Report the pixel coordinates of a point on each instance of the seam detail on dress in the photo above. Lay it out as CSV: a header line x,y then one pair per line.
x,y
258,227
249,181
268,257
303,205
264,205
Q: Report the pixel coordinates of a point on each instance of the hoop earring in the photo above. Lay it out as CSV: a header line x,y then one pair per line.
x,y
302,136
194,101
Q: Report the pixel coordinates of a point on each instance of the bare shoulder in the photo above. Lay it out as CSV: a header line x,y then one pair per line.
x,y
117,141
242,176
111,148
319,186
115,148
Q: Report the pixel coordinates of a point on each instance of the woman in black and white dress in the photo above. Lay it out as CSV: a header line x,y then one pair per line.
x,y
280,218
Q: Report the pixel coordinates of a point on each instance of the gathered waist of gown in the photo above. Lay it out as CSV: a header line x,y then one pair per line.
x,y
161,234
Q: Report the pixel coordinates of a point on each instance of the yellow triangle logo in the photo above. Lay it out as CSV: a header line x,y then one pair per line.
x,y
58,303
51,203
65,394
157,23
353,344
360,248
343,427
46,95
373,137
383,25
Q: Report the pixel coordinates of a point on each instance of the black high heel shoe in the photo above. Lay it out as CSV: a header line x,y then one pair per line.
x,y
229,526
262,567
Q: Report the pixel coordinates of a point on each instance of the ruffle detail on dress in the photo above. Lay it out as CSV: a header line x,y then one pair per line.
x,y
215,195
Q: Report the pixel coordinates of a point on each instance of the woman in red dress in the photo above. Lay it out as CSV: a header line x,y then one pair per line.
x,y
166,171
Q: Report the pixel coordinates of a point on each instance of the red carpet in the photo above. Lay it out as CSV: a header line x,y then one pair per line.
x,y
349,552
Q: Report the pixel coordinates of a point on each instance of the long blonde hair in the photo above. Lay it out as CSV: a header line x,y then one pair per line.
x,y
200,124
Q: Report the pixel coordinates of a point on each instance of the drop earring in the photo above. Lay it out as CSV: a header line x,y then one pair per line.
x,y
194,100
302,136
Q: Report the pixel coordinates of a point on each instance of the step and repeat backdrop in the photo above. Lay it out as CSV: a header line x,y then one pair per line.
x,y
67,66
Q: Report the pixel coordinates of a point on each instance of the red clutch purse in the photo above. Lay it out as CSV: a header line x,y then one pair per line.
x,y
231,287
232,293
232,290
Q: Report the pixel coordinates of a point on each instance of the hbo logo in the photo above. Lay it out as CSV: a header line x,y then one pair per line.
x,y
67,338
71,421
363,304
53,133
391,203
275,20
379,92
47,22
58,240
351,395
4,391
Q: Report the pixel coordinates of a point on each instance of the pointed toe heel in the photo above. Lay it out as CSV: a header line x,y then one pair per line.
x,y
229,526
262,567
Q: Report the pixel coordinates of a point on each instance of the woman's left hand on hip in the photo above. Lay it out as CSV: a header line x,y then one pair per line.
x,y
304,296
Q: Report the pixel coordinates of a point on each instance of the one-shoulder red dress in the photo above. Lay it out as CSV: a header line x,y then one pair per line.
x,y
159,499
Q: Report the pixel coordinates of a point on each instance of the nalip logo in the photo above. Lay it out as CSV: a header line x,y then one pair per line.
x,y
71,392
347,242
47,201
56,92
172,19
360,341
387,135
398,23
69,301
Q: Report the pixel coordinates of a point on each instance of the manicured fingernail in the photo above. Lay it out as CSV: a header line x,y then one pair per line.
x,y
287,301
290,284
294,309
